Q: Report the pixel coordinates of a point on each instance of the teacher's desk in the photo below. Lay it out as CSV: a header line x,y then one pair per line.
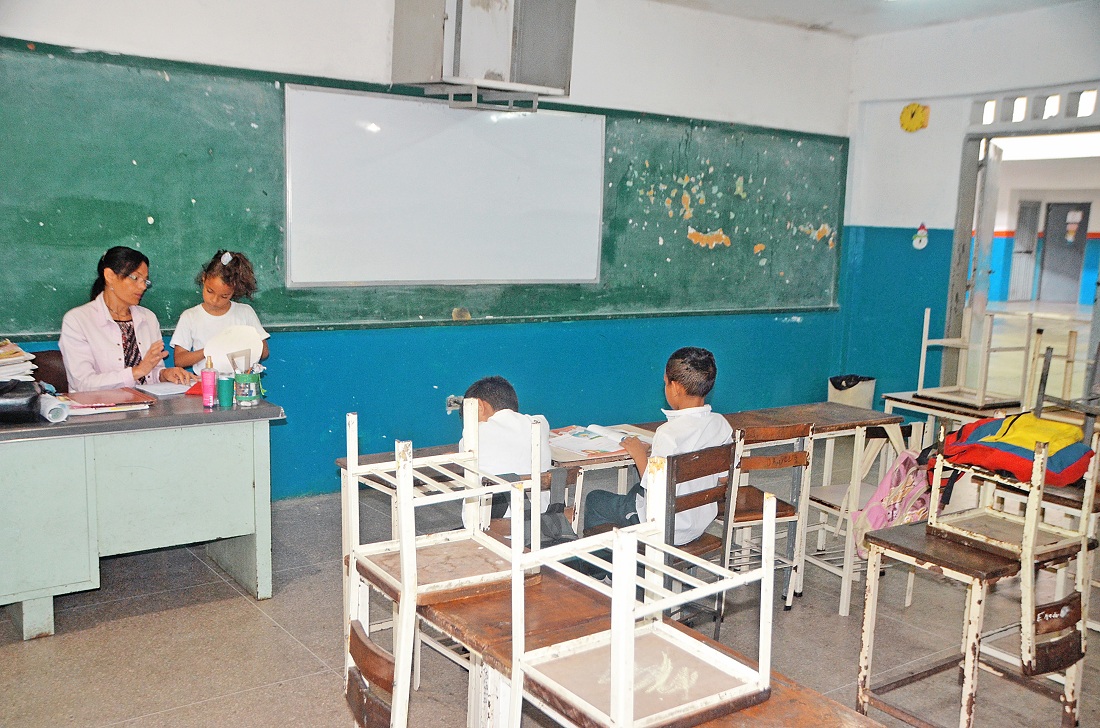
x,y
120,482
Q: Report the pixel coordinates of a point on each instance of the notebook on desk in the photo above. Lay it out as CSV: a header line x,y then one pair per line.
x,y
106,400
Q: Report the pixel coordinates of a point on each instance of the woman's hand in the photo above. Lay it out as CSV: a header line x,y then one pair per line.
x,y
176,375
155,355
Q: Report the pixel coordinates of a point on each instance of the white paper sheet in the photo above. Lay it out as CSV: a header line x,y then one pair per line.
x,y
233,339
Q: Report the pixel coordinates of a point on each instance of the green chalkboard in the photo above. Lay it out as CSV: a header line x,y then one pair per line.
x,y
179,160
97,152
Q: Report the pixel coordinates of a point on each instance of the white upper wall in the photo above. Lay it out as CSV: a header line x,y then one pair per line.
x,y
348,39
900,179
1047,47
1048,180
650,56
628,54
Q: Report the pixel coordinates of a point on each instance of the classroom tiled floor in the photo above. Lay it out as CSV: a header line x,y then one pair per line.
x,y
169,640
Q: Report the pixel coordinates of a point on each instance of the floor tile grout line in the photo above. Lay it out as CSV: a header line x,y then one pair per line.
x,y
217,697
77,607
255,605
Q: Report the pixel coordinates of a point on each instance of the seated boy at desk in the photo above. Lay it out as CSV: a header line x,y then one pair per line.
x,y
504,435
689,377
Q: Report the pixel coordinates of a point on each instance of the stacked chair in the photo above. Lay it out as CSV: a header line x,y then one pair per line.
x,y
413,570
678,677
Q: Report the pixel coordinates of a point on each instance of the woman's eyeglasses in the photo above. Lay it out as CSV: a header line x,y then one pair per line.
x,y
138,279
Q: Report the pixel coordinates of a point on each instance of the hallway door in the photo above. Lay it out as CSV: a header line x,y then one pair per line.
x,y
1021,284
1064,238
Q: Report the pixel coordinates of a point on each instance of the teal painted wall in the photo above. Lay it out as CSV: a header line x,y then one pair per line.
x,y
608,371
885,286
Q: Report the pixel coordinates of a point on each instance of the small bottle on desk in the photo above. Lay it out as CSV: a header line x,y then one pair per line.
x,y
209,379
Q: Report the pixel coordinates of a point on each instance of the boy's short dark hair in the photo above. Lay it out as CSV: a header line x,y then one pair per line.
x,y
495,391
694,369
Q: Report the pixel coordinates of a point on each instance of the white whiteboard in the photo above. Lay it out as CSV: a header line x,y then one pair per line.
x,y
384,189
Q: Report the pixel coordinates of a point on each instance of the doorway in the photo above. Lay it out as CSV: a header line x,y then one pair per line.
x,y
1021,284
1066,231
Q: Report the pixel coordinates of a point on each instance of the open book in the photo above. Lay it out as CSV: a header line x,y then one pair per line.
x,y
580,443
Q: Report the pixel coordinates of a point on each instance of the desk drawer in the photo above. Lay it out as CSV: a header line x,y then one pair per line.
x,y
160,488
47,520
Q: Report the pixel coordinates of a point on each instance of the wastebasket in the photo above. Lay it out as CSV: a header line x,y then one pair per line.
x,y
852,389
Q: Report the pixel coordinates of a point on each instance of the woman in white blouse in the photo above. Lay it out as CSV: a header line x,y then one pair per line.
x,y
111,341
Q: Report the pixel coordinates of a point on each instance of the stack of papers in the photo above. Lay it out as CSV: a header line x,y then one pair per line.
x,y
14,362
578,443
106,400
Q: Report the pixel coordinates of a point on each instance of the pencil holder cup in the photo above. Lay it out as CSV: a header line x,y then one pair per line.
x,y
246,389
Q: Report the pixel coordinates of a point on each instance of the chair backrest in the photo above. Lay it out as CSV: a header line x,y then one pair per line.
x,y
690,466
51,369
799,458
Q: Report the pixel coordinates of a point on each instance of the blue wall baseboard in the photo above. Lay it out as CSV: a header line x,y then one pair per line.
x,y
606,371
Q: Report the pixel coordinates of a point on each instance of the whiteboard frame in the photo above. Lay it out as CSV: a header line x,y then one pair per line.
x,y
597,242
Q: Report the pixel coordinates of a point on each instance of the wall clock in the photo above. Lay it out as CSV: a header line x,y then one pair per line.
x,y
914,117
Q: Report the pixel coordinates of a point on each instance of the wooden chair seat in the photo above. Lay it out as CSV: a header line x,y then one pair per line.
x,y
466,564
750,506
704,547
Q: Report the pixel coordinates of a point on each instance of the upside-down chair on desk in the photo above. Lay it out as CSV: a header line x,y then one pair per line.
x,y
414,570
677,678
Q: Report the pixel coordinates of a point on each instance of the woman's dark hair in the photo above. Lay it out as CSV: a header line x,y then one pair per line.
x,y
236,272
122,260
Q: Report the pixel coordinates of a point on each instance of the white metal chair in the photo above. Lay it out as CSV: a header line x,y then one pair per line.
x,y
1052,635
675,675
744,514
979,395
834,505
414,570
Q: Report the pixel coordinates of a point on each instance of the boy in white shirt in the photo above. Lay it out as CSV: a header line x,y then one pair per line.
x,y
689,377
504,435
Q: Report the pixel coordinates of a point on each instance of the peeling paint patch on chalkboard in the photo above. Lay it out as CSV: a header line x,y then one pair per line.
x,y
708,240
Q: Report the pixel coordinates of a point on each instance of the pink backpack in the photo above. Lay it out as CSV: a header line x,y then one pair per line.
x,y
902,497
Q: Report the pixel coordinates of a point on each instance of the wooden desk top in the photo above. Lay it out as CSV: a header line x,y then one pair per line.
x,y
910,399
559,609
914,541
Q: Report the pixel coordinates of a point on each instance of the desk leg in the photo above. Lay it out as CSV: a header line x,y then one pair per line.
x,y
248,558
33,617
488,697
827,466
870,613
976,594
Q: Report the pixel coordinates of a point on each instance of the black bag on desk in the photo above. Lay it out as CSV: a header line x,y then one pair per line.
x,y
18,401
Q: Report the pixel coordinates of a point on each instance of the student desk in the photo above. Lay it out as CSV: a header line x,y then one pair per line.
x,y
936,410
120,482
558,609
978,570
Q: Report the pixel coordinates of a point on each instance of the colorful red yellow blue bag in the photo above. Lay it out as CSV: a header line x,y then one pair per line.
x,y
1008,445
